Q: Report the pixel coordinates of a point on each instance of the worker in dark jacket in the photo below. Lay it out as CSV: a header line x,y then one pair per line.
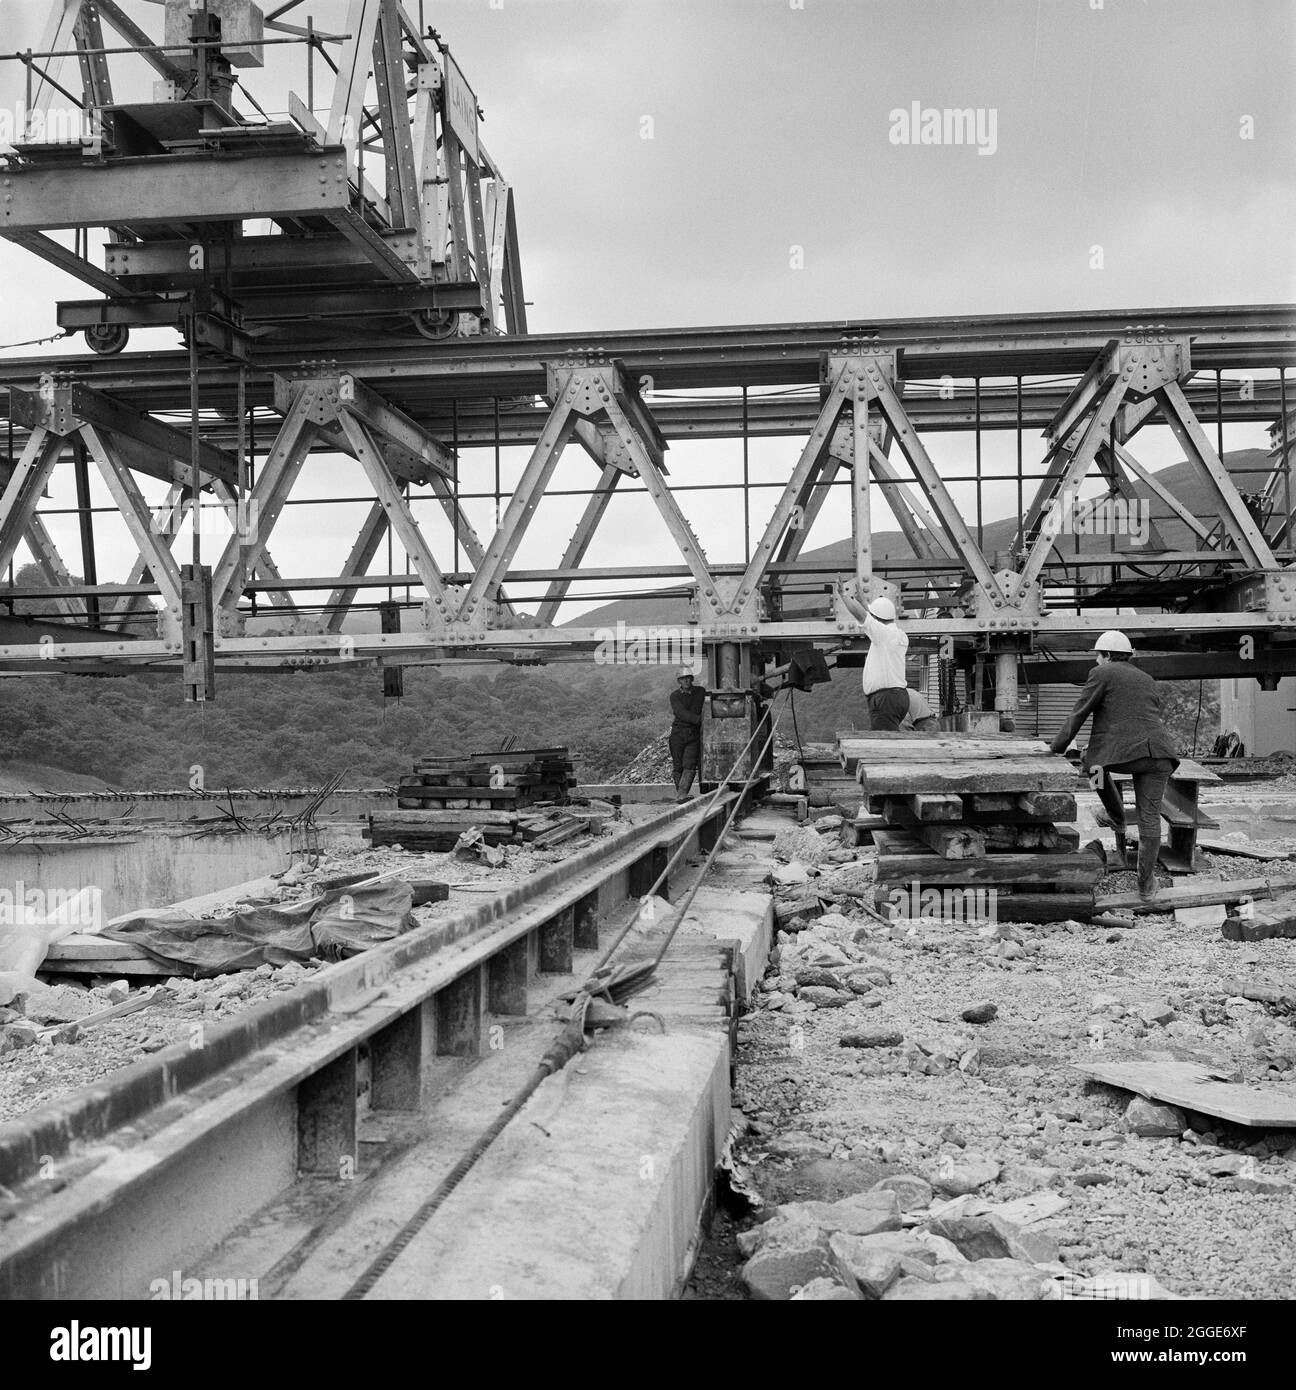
x,y
686,702
1128,736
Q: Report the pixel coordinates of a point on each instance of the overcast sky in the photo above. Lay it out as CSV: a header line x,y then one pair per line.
x,y
740,161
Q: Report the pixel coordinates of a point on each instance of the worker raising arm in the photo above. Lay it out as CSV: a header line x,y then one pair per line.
x,y
885,687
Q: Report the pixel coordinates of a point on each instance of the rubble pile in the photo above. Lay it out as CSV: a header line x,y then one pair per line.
x,y
914,1126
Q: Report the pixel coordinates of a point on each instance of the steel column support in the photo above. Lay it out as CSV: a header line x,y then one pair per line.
x,y
398,150
861,482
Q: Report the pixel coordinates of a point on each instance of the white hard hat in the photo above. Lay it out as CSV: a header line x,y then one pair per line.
x,y
1114,641
684,671
883,608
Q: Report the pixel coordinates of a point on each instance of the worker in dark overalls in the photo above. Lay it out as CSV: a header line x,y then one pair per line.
x,y
1128,736
686,702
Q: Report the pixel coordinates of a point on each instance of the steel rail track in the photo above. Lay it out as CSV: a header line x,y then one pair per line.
x,y
144,1172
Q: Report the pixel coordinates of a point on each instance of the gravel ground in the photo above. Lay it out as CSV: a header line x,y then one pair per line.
x,y
1005,1090
33,1073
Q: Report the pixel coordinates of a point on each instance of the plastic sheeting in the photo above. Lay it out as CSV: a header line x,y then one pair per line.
x,y
339,923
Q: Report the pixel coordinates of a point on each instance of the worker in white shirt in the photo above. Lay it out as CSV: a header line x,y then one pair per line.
x,y
885,687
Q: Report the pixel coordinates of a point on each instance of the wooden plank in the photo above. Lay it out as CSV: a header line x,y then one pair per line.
x,y
115,966
1065,872
929,807
1048,805
952,841
1037,837
1044,907
89,946
1276,918
989,775
935,748
1191,1087
1005,905
1242,851
433,820
894,811
1198,894
991,803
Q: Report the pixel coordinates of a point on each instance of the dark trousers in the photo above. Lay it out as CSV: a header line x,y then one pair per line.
x,y
1150,777
887,708
686,754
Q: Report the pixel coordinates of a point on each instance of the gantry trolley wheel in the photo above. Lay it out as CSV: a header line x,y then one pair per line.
x,y
107,337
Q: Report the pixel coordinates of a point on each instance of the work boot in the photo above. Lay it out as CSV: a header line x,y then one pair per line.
x,y
1147,892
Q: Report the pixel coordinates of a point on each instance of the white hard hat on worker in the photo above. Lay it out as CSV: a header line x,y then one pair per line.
x,y
1114,641
883,609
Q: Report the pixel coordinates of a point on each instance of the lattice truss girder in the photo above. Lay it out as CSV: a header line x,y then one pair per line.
x,y
593,404
396,189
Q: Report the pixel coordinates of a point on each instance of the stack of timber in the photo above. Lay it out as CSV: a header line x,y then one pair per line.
x,y
488,781
511,795
823,780
982,813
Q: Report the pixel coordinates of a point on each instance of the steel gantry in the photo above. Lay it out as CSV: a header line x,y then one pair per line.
x,y
388,216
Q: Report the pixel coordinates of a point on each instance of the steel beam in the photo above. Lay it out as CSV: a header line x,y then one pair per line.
x,y
1238,522
521,508
356,399
273,484
399,517
840,395
58,255
166,189
23,491
1159,489
136,514
929,478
